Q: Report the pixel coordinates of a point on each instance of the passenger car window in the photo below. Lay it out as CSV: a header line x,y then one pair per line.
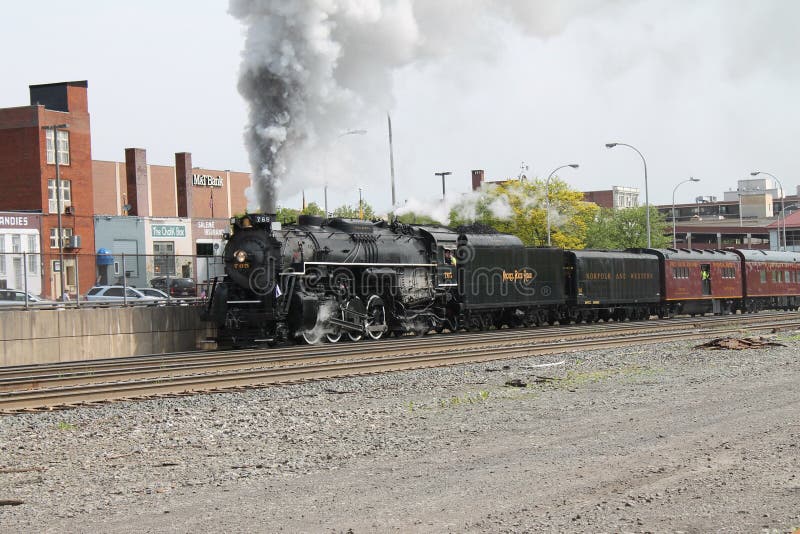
x,y
114,292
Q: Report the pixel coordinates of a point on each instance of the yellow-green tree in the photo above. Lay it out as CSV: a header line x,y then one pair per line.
x,y
519,208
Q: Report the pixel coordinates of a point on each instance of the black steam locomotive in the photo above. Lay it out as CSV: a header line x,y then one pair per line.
x,y
328,278
324,279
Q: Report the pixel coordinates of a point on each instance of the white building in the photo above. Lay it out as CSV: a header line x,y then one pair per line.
x,y
20,257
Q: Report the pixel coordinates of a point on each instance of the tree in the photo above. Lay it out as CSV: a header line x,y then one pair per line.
x,y
416,218
313,209
286,215
519,208
348,212
290,215
627,228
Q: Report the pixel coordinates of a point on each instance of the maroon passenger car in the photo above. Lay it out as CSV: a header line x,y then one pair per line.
x,y
771,280
699,281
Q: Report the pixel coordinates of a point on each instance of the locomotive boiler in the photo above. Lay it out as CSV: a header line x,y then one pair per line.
x,y
328,278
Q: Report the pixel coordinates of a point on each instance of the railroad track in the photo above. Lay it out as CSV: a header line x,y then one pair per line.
x,y
66,385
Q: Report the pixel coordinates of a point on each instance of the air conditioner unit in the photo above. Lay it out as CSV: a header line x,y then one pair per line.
x,y
74,241
69,210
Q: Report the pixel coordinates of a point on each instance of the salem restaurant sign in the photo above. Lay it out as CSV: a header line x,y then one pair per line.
x,y
205,180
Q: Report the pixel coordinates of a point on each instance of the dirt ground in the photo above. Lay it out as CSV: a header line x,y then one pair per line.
x,y
652,439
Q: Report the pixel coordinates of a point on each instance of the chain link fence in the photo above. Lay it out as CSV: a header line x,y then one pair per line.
x,y
44,279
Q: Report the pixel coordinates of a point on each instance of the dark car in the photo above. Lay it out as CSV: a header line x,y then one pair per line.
x,y
178,287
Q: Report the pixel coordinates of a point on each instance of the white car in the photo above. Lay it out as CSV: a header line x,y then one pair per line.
x,y
123,294
155,293
15,297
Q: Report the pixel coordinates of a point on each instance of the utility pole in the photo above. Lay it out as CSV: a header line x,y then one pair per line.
x,y
360,206
391,160
443,174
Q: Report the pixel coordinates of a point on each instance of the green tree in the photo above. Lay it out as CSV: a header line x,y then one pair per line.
x,y
286,215
290,215
627,228
519,208
349,212
313,209
416,218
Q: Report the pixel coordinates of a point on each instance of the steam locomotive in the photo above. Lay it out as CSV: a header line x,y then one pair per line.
x,y
326,279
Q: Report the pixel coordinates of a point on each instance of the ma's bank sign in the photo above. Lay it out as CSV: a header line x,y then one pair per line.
x,y
205,180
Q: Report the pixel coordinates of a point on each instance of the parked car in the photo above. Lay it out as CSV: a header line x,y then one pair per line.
x,y
15,297
155,293
121,294
178,287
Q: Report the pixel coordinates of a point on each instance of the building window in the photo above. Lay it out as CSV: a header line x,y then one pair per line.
x,y
164,261
16,264
16,243
2,254
63,147
66,233
66,195
33,256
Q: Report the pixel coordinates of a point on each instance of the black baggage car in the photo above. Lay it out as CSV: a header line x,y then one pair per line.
x,y
603,284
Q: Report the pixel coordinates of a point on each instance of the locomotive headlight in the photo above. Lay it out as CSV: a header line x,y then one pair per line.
x,y
240,256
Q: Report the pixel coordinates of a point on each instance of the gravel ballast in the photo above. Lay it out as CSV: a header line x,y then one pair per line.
x,y
651,438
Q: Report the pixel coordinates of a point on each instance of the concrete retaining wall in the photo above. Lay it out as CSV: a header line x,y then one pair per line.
x,y
47,336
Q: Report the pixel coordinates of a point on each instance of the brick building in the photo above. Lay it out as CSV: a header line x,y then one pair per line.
x,y
619,197
167,191
95,194
28,175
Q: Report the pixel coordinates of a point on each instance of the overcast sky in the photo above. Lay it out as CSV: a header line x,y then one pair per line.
x,y
702,88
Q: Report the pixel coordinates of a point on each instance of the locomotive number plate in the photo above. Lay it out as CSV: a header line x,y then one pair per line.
x,y
241,265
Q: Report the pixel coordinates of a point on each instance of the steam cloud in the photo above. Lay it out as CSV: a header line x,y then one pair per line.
x,y
314,68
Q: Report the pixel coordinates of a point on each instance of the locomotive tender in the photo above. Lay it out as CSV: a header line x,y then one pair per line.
x,y
324,279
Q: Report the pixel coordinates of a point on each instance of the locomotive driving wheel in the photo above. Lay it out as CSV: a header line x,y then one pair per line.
x,y
312,337
375,324
353,311
336,333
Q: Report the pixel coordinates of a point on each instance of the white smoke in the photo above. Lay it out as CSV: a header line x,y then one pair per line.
x,y
313,69
465,206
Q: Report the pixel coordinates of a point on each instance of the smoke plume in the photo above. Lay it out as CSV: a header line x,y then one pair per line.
x,y
312,69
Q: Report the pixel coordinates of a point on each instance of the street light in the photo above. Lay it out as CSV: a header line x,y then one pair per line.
x,y
443,174
674,237
348,132
360,208
783,209
646,195
60,240
547,194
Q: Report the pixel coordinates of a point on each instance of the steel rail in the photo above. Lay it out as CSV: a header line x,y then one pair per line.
x,y
49,376
345,349
214,382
